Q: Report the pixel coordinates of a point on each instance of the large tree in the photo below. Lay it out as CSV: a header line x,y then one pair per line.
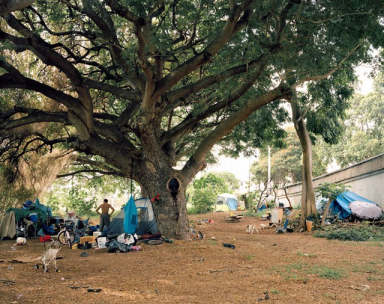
x,y
152,86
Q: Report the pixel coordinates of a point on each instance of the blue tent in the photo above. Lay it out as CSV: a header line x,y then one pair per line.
x,y
130,216
341,204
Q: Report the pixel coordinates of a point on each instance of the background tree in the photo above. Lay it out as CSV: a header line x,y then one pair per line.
x,y
153,86
205,190
320,110
364,131
286,162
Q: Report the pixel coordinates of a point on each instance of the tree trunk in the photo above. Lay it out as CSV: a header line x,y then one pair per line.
x,y
308,205
170,211
289,201
326,212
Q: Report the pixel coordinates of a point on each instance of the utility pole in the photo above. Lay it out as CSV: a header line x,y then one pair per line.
x,y
269,168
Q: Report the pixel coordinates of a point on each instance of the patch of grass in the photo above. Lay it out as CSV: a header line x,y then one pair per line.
x,y
311,255
375,278
365,268
327,272
251,213
329,295
357,234
274,291
295,266
249,257
298,271
213,242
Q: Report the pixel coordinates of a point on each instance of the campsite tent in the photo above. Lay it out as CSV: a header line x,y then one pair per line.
x,y
341,204
8,225
226,202
145,216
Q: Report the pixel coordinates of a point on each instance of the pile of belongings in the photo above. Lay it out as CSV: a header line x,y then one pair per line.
x,y
123,243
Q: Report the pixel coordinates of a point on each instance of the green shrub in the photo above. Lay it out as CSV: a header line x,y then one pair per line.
x,y
357,234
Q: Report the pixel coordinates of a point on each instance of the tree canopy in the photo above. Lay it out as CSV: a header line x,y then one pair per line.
x,y
152,86
286,162
364,132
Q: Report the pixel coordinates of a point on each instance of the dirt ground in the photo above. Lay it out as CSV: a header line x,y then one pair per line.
x,y
291,267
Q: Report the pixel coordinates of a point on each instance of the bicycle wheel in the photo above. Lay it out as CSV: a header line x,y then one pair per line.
x,y
62,238
155,242
65,238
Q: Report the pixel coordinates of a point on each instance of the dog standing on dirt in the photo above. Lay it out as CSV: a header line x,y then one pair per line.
x,y
251,229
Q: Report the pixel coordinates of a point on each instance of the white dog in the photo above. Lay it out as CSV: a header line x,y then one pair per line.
x,y
251,229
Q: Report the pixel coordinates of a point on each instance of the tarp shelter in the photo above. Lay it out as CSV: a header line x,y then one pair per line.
x,y
13,215
264,202
341,204
145,217
226,202
130,216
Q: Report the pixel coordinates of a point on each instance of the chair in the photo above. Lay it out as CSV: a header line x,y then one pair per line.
x,y
284,228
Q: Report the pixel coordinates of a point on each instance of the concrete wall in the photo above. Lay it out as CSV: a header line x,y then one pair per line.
x,y
365,179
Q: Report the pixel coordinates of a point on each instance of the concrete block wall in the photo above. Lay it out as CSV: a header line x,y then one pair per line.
x,y
365,179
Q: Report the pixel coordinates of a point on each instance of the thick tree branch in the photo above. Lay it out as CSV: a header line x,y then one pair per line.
x,y
82,110
232,26
114,90
34,116
227,125
91,171
8,81
236,95
325,76
111,38
9,6
175,97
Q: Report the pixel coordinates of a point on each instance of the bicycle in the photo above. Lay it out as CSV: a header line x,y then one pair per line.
x,y
71,234
66,235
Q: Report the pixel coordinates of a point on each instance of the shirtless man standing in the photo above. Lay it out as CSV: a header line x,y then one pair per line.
x,y
104,215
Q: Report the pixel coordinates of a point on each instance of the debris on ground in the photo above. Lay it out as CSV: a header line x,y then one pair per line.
x,y
229,246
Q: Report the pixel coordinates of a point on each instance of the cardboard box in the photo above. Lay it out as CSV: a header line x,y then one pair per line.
x,y
88,239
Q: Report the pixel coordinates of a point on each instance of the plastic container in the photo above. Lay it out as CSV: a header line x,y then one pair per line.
x,y
71,214
96,234
309,225
45,238
33,217
101,242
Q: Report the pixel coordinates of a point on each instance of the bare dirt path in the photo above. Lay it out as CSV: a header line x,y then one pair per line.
x,y
292,267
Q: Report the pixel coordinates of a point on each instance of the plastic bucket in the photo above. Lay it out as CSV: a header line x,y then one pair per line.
x,y
33,217
101,242
309,225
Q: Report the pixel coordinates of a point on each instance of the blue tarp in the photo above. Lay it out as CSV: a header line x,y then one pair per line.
x,y
130,216
341,204
232,203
